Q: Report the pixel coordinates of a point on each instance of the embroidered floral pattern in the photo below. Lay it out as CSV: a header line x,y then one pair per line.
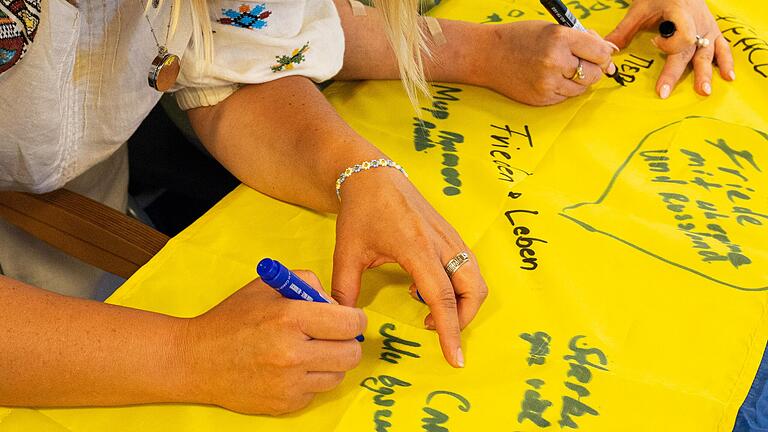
x,y
6,55
285,62
27,12
246,16
18,26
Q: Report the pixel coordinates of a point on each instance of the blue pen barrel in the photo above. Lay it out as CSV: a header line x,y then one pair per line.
x,y
288,284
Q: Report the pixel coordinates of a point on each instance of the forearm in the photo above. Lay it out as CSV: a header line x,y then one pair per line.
x,y
284,139
368,53
63,351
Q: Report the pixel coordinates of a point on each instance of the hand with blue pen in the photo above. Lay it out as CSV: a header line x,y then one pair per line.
x,y
258,352
382,217
689,35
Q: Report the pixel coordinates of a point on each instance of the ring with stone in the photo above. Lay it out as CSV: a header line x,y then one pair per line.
x,y
702,42
579,74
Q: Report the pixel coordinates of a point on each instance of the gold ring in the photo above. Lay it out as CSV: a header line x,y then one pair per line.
x,y
455,263
579,74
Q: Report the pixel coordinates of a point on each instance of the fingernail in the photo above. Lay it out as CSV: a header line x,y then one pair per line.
x,y
653,41
611,69
460,358
613,45
707,87
732,75
665,90
429,323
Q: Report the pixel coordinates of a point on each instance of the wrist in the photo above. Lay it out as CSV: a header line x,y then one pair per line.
x,y
361,168
484,45
365,152
464,58
373,185
178,363
341,153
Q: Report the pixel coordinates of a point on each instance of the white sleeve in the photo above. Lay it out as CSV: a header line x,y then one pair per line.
x,y
256,42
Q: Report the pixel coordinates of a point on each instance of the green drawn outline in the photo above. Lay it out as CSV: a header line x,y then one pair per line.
x,y
615,177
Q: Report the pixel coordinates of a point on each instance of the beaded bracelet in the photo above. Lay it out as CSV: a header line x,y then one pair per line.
x,y
365,166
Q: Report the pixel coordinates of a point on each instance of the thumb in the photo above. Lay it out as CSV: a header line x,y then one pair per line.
x,y
345,282
623,34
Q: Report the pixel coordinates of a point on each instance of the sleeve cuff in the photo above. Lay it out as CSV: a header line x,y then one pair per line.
x,y
195,97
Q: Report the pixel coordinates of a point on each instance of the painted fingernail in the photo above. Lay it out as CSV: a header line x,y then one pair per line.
x,y
707,88
460,358
664,91
732,75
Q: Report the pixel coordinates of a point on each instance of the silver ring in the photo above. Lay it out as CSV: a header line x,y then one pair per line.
x,y
702,42
579,74
455,263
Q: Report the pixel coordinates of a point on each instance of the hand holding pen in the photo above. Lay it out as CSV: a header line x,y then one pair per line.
x,y
260,352
565,18
538,62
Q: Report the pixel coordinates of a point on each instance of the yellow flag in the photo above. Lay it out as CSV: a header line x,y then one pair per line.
x,y
623,238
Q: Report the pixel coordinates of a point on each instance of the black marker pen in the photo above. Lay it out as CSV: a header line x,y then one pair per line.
x,y
564,17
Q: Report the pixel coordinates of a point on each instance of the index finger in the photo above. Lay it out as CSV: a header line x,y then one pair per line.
x,y
591,48
437,291
470,288
471,291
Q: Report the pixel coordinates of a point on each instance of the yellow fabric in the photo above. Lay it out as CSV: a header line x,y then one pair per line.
x,y
621,325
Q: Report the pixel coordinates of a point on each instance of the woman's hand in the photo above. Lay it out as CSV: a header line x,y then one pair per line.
x,y
692,18
533,61
260,353
528,61
382,219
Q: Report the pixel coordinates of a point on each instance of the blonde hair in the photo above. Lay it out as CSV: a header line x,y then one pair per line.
x,y
202,34
402,24
405,30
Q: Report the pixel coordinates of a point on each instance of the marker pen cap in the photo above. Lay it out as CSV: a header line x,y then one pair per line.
x,y
272,272
284,281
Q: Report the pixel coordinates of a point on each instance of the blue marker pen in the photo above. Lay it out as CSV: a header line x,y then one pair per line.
x,y
290,286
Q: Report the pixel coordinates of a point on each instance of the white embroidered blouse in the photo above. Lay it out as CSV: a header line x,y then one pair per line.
x,y
256,42
80,91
